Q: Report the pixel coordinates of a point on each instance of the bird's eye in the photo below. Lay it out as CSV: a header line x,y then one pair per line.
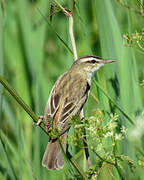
x,y
93,61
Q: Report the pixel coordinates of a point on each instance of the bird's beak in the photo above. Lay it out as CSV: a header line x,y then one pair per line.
x,y
107,61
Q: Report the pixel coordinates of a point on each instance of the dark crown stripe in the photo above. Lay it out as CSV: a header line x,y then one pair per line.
x,y
88,56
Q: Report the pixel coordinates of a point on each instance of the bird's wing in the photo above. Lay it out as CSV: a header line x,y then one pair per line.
x,y
51,108
61,107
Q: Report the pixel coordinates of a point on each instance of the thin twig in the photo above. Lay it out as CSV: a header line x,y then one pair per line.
x,y
61,40
71,33
72,37
63,9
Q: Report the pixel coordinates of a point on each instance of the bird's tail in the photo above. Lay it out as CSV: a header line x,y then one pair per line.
x,y
53,158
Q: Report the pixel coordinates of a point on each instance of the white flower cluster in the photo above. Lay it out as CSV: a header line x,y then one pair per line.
x,y
101,137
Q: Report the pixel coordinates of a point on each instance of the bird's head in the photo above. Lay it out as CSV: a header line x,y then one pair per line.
x,y
91,64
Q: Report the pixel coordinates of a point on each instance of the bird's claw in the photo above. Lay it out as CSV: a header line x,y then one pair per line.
x,y
38,123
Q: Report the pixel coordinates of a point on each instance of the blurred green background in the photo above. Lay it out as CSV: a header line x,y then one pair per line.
x,y
32,57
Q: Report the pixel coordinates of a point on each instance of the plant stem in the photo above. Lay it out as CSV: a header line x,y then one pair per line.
x,y
2,64
120,173
21,102
71,32
74,163
104,160
61,40
63,9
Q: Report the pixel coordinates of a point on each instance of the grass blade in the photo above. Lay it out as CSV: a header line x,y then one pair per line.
x,y
11,171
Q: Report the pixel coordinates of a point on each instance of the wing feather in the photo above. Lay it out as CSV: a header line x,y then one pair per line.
x,y
61,107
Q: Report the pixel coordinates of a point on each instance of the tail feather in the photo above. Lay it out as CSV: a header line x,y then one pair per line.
x,y
53,158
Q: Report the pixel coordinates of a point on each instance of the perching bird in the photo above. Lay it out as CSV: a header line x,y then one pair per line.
x,y
67,99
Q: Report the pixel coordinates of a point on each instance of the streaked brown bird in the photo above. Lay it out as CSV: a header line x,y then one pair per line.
x,y
67,99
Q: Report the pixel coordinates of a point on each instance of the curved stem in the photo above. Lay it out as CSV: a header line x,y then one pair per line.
x,y
21,102
71,32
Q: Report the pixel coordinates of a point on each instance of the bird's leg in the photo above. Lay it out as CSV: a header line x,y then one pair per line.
x,y
86,150
84,141
40,118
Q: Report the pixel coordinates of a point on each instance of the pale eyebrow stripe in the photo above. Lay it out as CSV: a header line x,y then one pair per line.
x,y
90,56
89,59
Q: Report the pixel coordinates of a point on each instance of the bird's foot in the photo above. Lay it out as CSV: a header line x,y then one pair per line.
x,y
40,119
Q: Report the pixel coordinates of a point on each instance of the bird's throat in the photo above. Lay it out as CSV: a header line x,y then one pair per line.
x,y
89,77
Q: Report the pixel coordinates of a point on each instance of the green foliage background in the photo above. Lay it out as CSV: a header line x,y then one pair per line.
x,y
32,58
